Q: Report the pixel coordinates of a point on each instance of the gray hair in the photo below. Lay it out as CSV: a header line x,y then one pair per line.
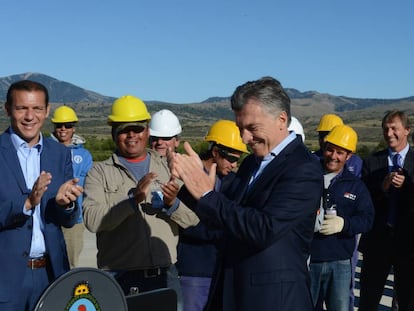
x,y
268,91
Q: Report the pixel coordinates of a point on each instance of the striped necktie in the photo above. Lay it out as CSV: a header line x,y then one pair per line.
x,y
396,162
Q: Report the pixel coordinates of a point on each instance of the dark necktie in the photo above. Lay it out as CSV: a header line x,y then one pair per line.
x,y
393,197
396,162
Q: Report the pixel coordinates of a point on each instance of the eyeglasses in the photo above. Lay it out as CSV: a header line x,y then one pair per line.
x,y
66,125
156,138
225,154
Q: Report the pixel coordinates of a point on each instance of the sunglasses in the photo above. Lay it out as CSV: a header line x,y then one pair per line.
x,y
126,130
66,125
226,155
156,138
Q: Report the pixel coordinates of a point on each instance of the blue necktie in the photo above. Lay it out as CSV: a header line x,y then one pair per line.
x,y
396,162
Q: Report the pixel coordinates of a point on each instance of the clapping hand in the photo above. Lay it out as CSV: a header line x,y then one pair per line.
x,y
395,179
143,187
39,188
170,191
68,192
189,168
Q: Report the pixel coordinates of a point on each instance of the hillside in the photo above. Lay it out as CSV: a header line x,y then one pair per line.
x,y
59,91
363,114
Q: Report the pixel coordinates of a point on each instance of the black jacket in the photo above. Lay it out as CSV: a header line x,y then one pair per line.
x,y
374,170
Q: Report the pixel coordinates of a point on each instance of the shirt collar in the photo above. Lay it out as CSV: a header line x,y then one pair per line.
x,y
403,152
18,142
276,150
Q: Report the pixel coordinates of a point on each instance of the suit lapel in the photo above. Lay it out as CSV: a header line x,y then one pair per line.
x,y
46,162
10,160
270,172
409,160
239,185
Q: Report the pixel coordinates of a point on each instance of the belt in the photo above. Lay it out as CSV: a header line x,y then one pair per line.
x,y
153,273
36,263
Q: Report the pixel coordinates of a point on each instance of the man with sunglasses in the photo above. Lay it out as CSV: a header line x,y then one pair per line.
x,y
225,148
64,121
197,249
136,225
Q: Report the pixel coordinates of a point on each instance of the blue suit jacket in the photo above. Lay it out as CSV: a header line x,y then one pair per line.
x,y
16,227
268,232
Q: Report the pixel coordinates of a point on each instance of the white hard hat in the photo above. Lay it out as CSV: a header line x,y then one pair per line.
x,y
164,123
296,127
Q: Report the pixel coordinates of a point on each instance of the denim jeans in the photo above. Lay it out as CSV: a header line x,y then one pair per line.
x,y
332,282
173,282
195,292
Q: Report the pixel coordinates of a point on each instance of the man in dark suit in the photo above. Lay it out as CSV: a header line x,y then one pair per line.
x,y
37,196
268,214
389,176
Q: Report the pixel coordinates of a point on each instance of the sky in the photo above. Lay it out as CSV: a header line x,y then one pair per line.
x,y
185,51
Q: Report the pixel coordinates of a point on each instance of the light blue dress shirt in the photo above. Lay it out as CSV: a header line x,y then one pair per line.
x,y
270,156
29,158
391,154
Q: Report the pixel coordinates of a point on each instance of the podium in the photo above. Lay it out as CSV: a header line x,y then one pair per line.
x,y
164,299
91,289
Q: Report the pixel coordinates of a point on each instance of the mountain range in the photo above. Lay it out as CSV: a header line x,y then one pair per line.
x,y
59,91
363,114
62,92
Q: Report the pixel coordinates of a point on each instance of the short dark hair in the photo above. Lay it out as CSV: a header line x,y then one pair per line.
x,y
26,85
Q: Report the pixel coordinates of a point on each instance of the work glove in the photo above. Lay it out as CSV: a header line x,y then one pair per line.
x,y
320,215
332,224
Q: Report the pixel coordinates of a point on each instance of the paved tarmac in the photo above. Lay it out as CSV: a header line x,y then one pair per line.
x,y
88,256
88,259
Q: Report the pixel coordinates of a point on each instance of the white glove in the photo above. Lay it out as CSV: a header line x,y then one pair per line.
x,y
320,215
332,224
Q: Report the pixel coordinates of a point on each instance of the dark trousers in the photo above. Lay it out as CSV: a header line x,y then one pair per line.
x,y
404,282
374,272
138,281
376,266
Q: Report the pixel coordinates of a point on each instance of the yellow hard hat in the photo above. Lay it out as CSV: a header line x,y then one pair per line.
x,y
227,134
328,122
64,114
128,108
343,136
